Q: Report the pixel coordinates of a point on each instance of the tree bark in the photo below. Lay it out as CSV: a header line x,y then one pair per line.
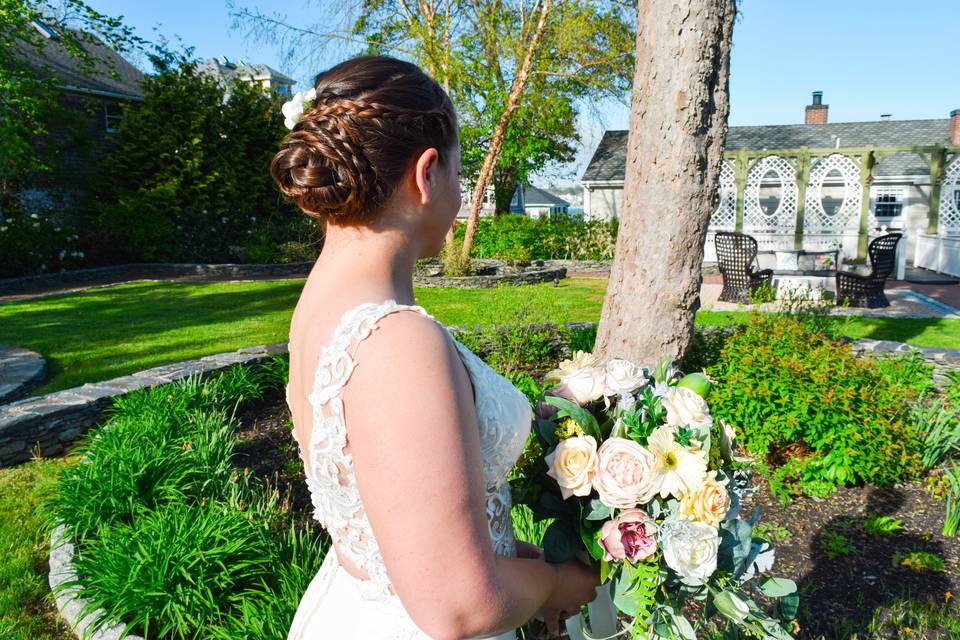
x,y
496,141
678,127
504,186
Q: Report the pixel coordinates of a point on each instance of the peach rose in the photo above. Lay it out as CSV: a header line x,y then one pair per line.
x,y
573,465
624,477
631,536
709,503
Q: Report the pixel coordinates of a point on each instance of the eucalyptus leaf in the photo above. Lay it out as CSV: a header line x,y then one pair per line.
x,y
787,606
735,545
682,626
778,587
731,606
598,511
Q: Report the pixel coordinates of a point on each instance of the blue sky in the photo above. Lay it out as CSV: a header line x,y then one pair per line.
x,y
868,57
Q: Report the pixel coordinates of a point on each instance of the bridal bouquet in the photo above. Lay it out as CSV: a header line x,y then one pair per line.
x,y
635,474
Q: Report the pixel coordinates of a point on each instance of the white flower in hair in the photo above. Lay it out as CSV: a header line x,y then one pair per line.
x,y
293,109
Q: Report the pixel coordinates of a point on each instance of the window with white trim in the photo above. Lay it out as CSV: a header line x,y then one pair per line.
x,y
888,202
112,115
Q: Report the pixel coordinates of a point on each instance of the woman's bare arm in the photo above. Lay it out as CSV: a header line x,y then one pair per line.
x,y
414,438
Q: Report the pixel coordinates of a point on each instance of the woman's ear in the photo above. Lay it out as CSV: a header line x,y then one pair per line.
x,y
425,174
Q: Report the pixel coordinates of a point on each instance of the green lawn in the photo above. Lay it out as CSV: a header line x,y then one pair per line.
x,y
26,608
108,332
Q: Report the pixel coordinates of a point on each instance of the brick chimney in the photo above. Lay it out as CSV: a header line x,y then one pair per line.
x,y
955,127
816,113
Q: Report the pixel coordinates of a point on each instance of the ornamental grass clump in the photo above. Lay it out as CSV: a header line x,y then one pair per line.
x,y
171,538
819,416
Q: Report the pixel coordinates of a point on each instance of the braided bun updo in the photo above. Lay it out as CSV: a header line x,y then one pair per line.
x,y
371,117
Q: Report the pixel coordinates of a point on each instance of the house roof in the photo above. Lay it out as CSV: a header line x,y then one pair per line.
x,y
110,72
228,70
610,159
538,197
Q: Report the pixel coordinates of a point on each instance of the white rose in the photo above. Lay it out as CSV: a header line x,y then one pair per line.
x,y
685,408
583,386
293,109
689,548
573,464
623,377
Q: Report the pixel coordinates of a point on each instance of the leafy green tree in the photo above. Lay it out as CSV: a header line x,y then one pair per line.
x,y
29,97
519,72
188,177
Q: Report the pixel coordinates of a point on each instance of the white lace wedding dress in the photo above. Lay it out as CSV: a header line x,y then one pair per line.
x,y
337,605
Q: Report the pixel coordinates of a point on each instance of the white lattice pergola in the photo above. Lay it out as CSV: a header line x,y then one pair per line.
x,y
846,218
950,200
783,219
725,216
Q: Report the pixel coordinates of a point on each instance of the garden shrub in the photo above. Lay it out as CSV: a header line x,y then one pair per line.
x,y
172,538
807,406
33,244
514,237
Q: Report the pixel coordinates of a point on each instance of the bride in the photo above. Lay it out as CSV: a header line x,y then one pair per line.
x,y
406,436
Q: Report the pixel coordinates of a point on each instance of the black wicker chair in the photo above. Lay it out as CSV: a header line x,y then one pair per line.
x,y
867,290
736,253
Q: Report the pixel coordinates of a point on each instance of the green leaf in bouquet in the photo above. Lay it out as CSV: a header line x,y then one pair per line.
x,y
663,370
590,534
569,409
787,607
735,544
606,427
598,511
561,542
546,431
635,589
606,569
553,506
778,587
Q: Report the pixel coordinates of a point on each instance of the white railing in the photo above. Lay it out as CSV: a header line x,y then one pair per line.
x,y
938,253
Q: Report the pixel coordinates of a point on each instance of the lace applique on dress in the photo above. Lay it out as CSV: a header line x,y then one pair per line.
x,y
503,416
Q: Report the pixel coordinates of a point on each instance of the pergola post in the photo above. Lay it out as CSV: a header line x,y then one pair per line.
x,y
936,163
866,178
741,168
803,175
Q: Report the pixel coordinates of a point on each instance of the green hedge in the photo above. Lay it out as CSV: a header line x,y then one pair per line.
x,y
517,237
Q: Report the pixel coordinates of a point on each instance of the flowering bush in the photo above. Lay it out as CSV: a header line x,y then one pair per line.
x,y
32,244
640,480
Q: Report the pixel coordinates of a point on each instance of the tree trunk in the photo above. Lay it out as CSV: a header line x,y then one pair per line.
x,y
504,186
678,127
496,141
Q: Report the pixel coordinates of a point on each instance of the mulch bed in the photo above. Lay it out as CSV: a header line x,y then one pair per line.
x,y
837,593
852,586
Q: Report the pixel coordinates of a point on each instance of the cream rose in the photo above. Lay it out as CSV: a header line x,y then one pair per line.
x,y
709,503
689,548
685,408
580,360
586,385
573,465
623,377
624,474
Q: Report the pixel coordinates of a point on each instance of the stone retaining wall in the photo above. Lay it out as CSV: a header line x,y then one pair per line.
x,y
53,421
489,282
124,272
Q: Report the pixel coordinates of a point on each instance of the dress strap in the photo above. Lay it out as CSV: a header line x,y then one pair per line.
x,y
336,362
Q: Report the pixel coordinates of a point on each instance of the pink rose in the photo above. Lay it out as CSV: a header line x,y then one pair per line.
x,y
624,474
630,536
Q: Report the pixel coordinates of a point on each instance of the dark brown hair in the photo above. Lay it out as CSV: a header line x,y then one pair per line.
x,y
371,117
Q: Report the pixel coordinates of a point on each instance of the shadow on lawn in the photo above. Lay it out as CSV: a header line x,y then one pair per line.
x,y
854,578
